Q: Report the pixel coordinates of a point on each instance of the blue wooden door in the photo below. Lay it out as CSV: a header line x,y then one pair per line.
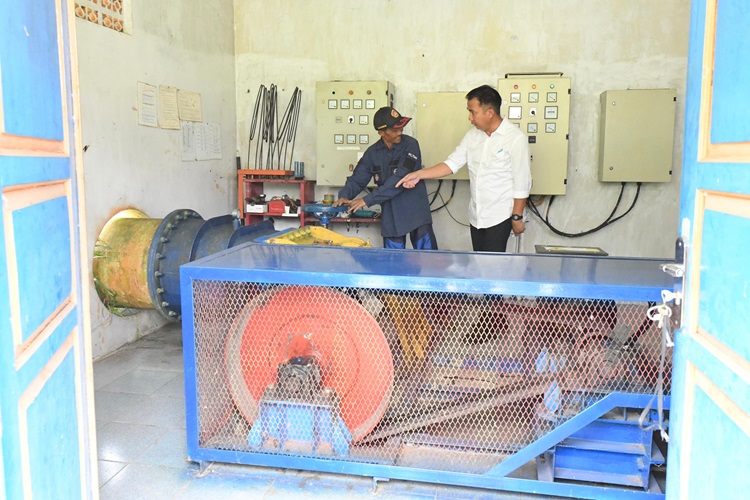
x,y
46,402
710,434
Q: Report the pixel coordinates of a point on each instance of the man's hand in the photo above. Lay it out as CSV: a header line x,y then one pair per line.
x,y
518,227
341,201
409,180
357,204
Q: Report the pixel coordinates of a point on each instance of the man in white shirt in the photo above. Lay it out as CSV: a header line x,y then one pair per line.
x,y
497,153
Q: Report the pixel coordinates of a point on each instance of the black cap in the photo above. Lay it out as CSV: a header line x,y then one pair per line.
x,y
389,118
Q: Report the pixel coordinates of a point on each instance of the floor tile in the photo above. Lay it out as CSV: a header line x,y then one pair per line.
x,y
111,406
120,442
158,410
108,469
175,387
169,450
146,482
105,372
228,486
140,381
166,359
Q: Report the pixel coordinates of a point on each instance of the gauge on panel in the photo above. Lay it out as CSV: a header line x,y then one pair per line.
x,y
514,112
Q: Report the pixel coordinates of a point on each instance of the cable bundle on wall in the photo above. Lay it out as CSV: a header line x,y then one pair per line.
x,y
274,138
545,219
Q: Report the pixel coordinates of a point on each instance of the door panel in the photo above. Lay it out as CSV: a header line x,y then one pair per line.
x,y
710,417
31,52
46,402
723,248
731,102
34,215
707,476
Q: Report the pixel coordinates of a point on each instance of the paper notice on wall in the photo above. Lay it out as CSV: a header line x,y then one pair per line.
x,y
169,117
189,106
215,143
201,141
148,112
188,141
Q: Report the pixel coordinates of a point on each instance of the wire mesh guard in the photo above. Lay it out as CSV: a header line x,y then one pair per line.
x,y
445,381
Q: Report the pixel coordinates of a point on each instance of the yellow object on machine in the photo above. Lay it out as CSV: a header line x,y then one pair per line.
x,y
316,235
412,327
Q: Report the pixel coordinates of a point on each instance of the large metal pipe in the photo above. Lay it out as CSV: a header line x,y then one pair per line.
x,y
137,259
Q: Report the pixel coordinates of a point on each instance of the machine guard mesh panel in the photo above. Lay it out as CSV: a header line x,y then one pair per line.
x,y
432,380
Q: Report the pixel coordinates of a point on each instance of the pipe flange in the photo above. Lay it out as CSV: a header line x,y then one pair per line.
x,y
157,260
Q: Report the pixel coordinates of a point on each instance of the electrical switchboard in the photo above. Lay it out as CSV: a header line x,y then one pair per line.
x,y
637,135
441,123
344,112
540,106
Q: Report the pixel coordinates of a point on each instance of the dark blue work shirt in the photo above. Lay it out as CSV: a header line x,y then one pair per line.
x,y
403,210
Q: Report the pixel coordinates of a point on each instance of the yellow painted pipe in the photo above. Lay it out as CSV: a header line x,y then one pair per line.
x,y
121,261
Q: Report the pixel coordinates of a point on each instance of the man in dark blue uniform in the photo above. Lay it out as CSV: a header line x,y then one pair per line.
x,y
404,211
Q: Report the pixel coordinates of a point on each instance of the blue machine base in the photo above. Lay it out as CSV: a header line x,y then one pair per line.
x,y
300,428
613,450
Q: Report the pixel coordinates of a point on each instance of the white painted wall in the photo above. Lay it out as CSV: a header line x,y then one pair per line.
x,y
447,45
188,44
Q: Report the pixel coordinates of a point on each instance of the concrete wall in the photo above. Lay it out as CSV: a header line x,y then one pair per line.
x,y
447,45
188,44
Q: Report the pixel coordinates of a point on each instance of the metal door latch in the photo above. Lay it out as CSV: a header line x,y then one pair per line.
x,y
674,270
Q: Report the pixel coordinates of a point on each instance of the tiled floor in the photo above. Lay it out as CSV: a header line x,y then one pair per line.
x,y
140,419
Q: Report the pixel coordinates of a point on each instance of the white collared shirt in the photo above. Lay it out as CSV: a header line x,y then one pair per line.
x,y
499,171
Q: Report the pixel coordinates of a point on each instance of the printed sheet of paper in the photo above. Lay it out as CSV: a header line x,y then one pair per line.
x,y
214,132
188,142
148,112
189,106
169,117
201,142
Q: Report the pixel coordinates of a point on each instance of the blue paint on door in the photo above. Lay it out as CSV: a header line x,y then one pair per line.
x,y
45,400
710,392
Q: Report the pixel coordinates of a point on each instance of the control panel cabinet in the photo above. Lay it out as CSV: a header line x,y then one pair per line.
x,y
344,112
540,106
441,122
636,135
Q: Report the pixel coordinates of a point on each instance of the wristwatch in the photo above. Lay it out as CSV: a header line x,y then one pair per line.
x,y
516,217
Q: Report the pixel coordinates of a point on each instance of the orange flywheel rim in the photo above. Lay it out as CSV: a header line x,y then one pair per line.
x,y
351,350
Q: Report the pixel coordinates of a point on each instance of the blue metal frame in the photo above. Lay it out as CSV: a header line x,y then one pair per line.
x,y
452,272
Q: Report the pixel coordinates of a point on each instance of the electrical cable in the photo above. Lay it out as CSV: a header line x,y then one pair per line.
x,y
609,220
437,190
275,138
445,203
285,127
254,122
295,123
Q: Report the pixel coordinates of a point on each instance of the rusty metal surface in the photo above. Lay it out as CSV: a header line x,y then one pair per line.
x,y
121,260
